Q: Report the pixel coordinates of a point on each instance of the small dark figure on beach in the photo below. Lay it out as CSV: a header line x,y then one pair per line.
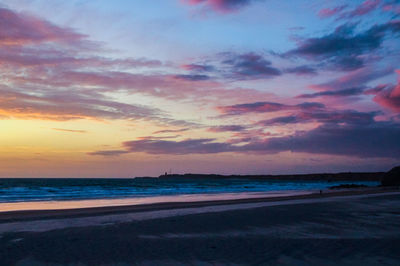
x,y
320,192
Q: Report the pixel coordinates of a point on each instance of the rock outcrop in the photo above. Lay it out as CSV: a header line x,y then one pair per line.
x,y
392,178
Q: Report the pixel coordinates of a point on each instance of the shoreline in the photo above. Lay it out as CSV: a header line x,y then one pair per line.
x,y
28,215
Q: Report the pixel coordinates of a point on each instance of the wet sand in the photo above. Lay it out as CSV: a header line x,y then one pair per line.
x,y
347,228
93,205
58,209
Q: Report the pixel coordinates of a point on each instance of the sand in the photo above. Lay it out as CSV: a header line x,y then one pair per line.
x,y
350,228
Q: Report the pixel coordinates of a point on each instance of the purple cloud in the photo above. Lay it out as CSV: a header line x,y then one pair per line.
x,y
198,67
329,12
335,93
362,9
282,120
171,130
20,29
61,78
200,146
389,96
61,65
192,77
249,66
392,6
379,140
222,6
108,153
62,105
342,49
257,107
365,8
266,107
376,89
373,140
354,79
227,128
337,117
302,70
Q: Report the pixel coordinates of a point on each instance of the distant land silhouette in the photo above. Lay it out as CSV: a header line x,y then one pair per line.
x,y
348,176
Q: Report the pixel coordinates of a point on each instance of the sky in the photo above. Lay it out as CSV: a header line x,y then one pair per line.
x,y
128,88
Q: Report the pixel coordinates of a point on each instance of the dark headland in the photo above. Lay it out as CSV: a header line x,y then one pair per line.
x,y
348,176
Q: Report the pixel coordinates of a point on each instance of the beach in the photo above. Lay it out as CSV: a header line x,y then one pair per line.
x,y
349,227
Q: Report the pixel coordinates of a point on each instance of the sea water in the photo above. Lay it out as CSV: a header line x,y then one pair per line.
x,y
46,189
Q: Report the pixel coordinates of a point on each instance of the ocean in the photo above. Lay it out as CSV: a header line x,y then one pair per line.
x,y
64,189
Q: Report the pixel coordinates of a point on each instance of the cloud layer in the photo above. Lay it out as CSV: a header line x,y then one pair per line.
x,y
221,6
366,141
344,49
223,82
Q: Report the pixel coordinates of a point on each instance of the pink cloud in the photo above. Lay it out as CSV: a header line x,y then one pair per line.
x,y
329,12
362,9
394,8
159,85
21,29
42,56
365,8
62,61
70,65
222,6
390,97
69,105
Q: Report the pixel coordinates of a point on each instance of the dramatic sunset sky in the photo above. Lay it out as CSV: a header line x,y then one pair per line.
x,y
127,88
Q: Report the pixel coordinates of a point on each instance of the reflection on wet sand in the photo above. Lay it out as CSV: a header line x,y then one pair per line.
x,y
78,204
